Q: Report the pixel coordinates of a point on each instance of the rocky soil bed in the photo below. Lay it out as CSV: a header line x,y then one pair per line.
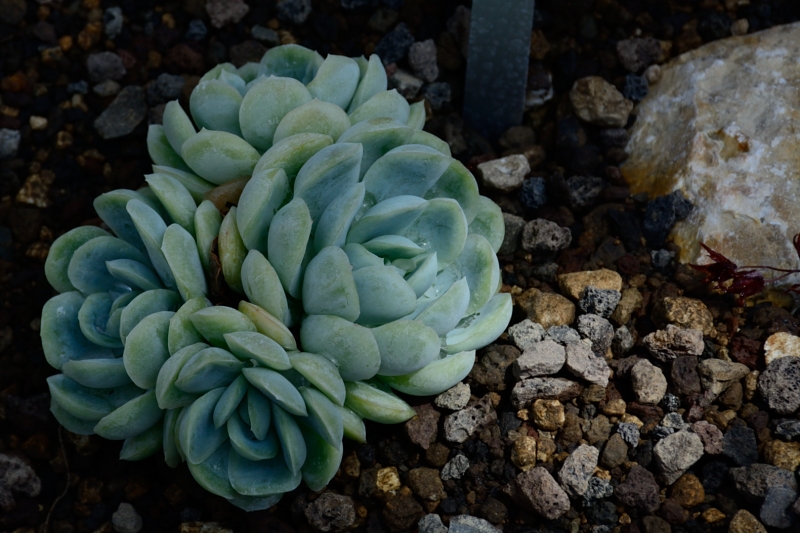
x,y
625,397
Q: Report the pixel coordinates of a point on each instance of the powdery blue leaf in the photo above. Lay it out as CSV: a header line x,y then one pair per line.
x,y
429,139
97,373
326,174
392,216
292,441
458,183
212,474
405,346
182,332
353,425
329,287
232,251
350,346
175,198
229,401
177,127
371,403
249,71
87,268
258,413
489,223
251,345
78,400
93,317
441,228
291,153
478,263
417,116
146,349
360,257
377,136
215,106
323,416
146,304
446,311
247,445
130,419
180,251
261,198
259,478
393,247
112,208
373,81
71,423
142,445
208,369
277,388
482,327
385,104
287,242
436,377
268,325
411,169
234,80
335,221
219,156
207,222
134,274
214,322
314,117
385,295
171,455
61,252
322,462
198,437
263,287
422,278
167,394
150,227
196,185
321,373
265,105
292,61
335,81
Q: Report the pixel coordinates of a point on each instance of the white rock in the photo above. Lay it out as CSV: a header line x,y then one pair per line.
x,y
676,453
648,382
781,345
455,398
505,174
455,467
721,126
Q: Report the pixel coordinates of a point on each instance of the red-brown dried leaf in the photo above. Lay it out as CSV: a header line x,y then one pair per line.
x,y
796,242
722,269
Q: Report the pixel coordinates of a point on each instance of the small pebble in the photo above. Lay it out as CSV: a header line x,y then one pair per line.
x,y
455,467
454,399
112,21
542,235
422,58
126,520
9,143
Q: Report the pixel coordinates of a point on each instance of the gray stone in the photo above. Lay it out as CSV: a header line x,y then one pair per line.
x,y
455,467
514,225
16,477
676,453
407,85
740,445
197,31
9,143
667,344
563,334
460,425
123,115
779,385
639,489
331,512
600,302
504,174
638,54
542,235
540,359
598,330
622,342
578,469
528,390
437,94
717,375
394,45
126,520
265,35
422,58
165,88
541,493
648,382
431,523
596,489
455,398
222,12
105,66
710,435
470,524
296,11
107,88
526,334
629,433
753,481
775,511
615,452
598,102
674,421
583,363
113,21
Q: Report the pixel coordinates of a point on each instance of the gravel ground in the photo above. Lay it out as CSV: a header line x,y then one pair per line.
x,y
624,397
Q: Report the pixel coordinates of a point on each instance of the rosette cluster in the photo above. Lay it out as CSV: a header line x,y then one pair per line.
x,y
362,257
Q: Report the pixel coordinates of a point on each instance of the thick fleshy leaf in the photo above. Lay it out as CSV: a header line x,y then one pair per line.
x,y
167,394
142,445
417,115
385,104
255,503
489,223
435,378
215,106
234,80
97,373
316,116
232,251
377,136
150,229
329,287
328,172
247,445
78,400
263,287
288,238
458,183
291,153
441,228
322,373
335,221
198,437
112,208
251,345
146,349
405,346
229,401
212,474
196,185
360,257
268,325
214,322
215,71
130,419
160,150
429,139
146,304
93,318
207,222
354,428
377,405
323,416
336,81
175,198
385,295
180,251
177,125
249,71
134,274
260,478
393,216
373,81
219,156
277,388
478,263
182,332
261,198
71,422
323,460
393,247
350,346
265,104
292,442
422,278
61,251
410,169
87,268
115,316
448,310
208,369
171,455
292,61
483,327
258,413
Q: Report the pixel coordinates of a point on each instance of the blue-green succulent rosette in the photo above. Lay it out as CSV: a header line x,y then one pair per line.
x,y
313,192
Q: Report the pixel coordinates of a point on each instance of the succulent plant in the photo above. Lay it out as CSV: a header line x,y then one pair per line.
x,y
309,199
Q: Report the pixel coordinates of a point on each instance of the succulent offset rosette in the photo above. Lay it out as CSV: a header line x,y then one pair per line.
x,y
313,193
